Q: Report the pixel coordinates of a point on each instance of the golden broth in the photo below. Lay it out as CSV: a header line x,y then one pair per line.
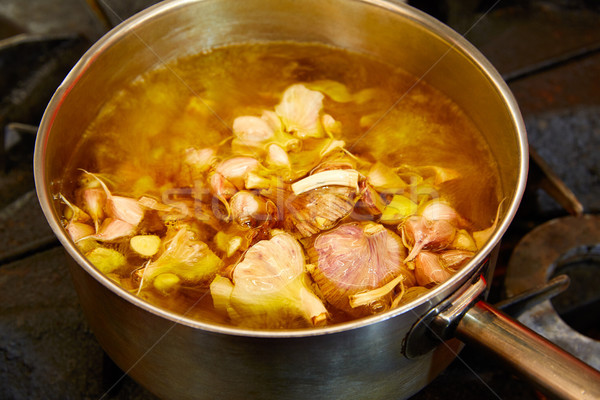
x,y
139,138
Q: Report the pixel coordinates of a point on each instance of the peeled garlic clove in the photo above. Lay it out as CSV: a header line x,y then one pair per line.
x,y
429,269
299,111
421,233
270,288
355,258
145,245
166,283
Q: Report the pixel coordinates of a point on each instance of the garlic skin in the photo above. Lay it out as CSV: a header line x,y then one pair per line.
x,y
384,179
318,210
299,111
270,288
332,177
76,213
252,130
185,256
200,160
355,258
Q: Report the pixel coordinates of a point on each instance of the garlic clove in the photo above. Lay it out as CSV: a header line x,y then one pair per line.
x,y
248,209
113,229
255,181
221,187
125,209
454,259
235,169
277,157
429,269
93,203
421,233
439,210
79,230
370,203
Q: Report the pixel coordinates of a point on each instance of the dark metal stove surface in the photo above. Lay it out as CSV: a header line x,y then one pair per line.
x,y
548,51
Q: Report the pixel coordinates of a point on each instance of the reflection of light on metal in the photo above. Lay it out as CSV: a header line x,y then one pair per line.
x,y
100,14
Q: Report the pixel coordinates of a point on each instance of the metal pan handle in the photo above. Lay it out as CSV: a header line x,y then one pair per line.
x,y
475,322
553,370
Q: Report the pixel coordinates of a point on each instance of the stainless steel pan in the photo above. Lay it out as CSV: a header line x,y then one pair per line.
x,y
386,356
